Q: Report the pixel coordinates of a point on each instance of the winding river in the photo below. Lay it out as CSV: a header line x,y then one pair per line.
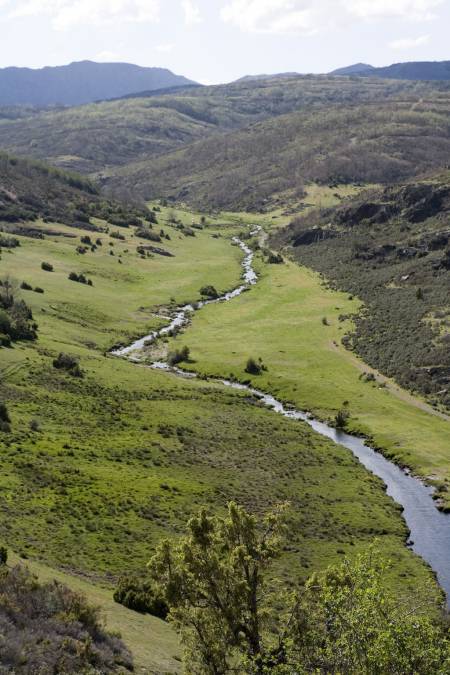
x,y
429,528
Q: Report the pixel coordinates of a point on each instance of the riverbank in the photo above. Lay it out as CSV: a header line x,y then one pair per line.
x,y
295,325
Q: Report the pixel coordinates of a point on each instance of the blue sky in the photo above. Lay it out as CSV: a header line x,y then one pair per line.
x,y
220,40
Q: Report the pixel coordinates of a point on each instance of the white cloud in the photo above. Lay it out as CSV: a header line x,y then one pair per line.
x,y
165,48
306,17
192,14
68,13
417,10
409,43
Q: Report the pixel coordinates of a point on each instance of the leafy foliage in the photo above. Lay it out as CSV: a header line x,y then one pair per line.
x,y
142,595
343,620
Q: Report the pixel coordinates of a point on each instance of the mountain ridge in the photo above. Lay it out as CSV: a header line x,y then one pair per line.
x,y
409,70
81,82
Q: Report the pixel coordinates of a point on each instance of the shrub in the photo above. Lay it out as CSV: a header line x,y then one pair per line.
x,y
38,289
5,420
68,363
209,292
48,628
341,418
3,555
46,267
80,278
275,259
25,286
253,367
325,321
141,595
117,235
178,356
147,233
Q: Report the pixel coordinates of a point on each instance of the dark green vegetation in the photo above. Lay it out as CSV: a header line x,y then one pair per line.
x,y
16,318
47,628
30,190
233,617
103,137
391,248
81,82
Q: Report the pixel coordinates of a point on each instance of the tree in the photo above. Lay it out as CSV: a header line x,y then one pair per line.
x,y
214,583
348,622
343,620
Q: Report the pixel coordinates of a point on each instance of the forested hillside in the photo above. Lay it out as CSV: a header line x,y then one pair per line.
x,y
103,136
377,142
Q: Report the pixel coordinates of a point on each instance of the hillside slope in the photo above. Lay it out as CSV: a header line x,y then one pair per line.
x,y
380,143
99,137
31,190
81,82
390,247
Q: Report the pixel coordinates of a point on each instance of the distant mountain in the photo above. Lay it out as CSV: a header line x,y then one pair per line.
x,y
82,82
355,69
414,70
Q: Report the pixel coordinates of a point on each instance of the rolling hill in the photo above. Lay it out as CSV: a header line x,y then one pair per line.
x,y
413,70
245,169
81,82
99,137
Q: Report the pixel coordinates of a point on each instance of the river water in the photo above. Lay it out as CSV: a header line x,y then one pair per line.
x,y
429,528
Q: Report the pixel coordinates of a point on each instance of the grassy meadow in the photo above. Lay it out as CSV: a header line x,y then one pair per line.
x,y
295,324
120,458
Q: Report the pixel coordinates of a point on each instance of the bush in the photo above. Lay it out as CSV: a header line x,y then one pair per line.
x,y
117,235
178,356
38,289
209,292
3,555
68,363
341,418
48,628
147,233
253,367
80,278
46,267
5,420
141,595
25,286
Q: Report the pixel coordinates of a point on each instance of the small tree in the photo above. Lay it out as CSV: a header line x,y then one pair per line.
x,y
47,267
214,581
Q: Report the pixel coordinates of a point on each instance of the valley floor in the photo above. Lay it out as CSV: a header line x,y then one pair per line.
x,y
122,457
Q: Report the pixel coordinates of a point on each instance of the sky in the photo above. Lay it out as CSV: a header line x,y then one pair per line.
x,y
214,41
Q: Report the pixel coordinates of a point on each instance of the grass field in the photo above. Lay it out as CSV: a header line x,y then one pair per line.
x,y
124,455
281,321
